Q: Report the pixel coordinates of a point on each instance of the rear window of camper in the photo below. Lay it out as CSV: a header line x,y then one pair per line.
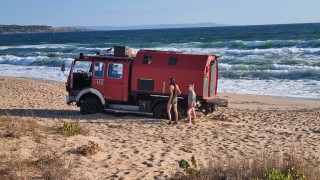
x,y
173,61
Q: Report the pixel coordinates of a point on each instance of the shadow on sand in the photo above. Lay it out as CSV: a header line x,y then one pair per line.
x,y
75,115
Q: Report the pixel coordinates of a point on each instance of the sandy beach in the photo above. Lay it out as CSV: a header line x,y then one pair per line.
x,y
135,147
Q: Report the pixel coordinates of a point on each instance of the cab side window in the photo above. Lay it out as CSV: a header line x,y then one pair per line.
x,y
115,70
146,60
98,69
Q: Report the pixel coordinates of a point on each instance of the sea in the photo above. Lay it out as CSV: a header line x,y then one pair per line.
x,y
273,60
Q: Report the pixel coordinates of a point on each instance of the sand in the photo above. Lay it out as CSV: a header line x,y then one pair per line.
x,y
137,147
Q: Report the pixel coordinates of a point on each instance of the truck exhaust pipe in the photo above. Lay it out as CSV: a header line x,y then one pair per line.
x,y
81,55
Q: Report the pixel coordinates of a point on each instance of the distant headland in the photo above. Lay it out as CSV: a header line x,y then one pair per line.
x,y
156,26
17,29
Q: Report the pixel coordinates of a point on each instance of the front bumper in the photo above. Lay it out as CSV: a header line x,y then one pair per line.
x,y
70,99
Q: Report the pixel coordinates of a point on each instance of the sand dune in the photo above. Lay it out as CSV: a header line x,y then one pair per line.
x,y
134,147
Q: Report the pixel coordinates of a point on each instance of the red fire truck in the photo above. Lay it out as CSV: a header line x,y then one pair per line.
x,y
127,83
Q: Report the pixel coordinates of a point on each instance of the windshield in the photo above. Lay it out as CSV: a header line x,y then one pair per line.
x,y
82,66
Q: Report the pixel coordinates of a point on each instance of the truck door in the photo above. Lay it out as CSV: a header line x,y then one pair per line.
x,y
117,81
98,74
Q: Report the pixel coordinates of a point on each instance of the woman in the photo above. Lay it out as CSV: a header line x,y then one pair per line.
x,y
173,100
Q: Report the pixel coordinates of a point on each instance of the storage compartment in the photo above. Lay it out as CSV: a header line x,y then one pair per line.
x,y
121,51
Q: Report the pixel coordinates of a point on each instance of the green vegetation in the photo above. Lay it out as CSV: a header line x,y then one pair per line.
x,y
72,129
290,174
288,166
186,167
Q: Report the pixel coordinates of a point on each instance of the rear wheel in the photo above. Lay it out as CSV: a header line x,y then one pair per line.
x,y
160,111
90,105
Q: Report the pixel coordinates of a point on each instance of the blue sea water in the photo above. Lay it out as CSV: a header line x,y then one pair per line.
x,y
276,60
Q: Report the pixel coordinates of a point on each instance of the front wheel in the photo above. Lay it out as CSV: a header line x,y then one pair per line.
x,y
90,105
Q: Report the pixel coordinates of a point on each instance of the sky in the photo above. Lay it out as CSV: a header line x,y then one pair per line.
x,y
152,12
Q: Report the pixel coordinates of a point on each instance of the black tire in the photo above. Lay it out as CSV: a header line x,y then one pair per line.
x,y
182,110
90,105
208,110
160,111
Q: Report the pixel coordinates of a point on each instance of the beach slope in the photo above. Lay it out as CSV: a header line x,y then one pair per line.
x,y
132,147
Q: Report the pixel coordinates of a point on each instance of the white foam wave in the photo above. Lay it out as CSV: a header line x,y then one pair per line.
x,y
3,47
282,88
34,72
270,51
16,60
243,52
41,46
26,61
226,66
55,46
295,67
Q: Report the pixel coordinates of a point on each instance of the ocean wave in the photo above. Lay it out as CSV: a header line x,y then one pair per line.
x,y
271,51
273,71
34,72
34,60
240,44
40,46
65,48
283,88
243,52
224,66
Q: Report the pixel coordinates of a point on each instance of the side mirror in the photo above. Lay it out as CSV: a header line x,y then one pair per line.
x,y
63,67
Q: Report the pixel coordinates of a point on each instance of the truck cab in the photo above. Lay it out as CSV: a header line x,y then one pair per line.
x,y
138,82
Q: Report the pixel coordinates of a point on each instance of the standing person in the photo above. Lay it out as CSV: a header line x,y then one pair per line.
x,y
173,100
191,104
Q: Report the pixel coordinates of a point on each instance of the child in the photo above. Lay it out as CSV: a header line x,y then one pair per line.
x,y
191,104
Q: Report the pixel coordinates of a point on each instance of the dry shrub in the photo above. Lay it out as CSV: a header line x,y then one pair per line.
x,y
186,149
264,166
72,129
41,165
15,127
115,125
52,166
88,150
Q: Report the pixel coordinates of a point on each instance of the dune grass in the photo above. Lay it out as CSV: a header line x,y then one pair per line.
x,y
42,165
72,129
15,127
288,166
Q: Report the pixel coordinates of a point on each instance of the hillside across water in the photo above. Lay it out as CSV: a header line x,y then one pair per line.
x,y
16,29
